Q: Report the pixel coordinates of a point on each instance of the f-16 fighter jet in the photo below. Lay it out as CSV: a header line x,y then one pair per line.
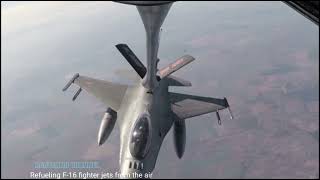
x,y
146,111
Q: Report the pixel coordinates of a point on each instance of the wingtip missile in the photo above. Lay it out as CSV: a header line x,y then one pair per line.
x,y
218,116
228,106
77,94
71,81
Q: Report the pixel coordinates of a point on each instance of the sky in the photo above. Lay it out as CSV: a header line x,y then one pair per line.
x,y
262,56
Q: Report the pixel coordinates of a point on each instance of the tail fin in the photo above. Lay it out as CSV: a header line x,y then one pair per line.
x,y
132,59
173,67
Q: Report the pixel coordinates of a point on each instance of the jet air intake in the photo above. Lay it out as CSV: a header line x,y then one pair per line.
x,y
179,137
106,126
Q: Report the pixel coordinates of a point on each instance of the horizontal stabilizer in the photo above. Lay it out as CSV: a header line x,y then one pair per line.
x,y
173,67
187,106
175,81
132,59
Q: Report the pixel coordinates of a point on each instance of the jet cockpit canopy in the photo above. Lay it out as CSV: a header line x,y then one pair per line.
x,y
141,137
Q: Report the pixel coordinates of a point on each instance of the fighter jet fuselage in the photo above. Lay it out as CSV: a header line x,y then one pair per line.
x,y
144,120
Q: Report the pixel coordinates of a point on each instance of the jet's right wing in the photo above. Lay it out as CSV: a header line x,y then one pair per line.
x,y
186,106
109,93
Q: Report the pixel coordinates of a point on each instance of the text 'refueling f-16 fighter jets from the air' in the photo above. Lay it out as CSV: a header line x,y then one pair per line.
x,y
146,111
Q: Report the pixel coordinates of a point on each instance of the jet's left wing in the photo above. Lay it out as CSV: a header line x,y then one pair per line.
x,y
186,106
109,93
